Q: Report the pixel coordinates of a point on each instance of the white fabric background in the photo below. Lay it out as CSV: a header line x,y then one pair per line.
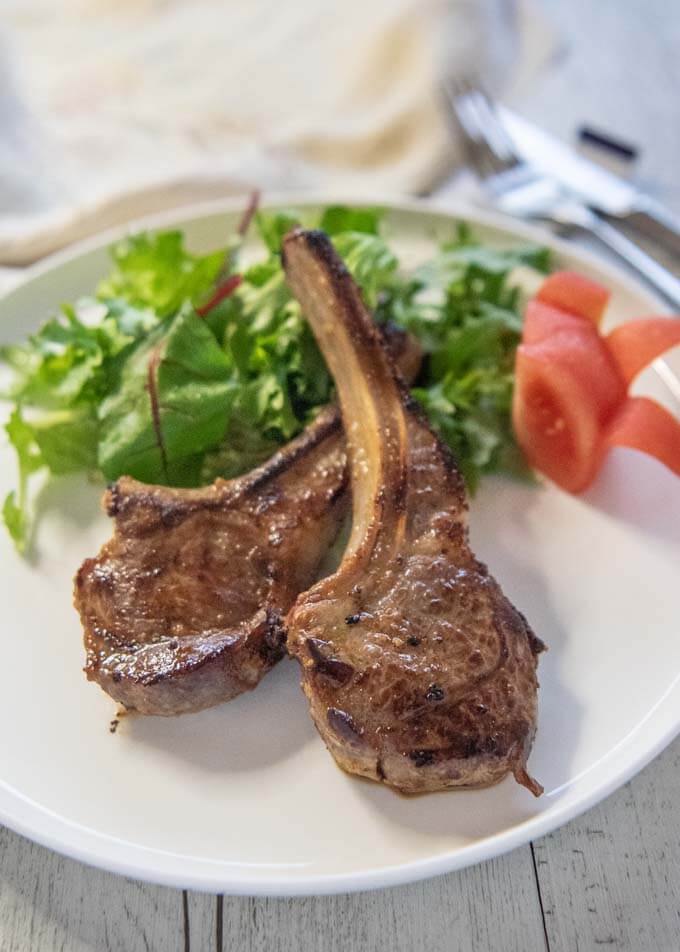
x,y
110,109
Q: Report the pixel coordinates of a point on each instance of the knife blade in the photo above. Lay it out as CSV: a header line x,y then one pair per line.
x,y
596,186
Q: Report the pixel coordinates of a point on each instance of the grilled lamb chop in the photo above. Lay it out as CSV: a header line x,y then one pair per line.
x,y
183,607
418,670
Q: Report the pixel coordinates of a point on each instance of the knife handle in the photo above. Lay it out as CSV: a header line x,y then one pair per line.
x,y
656,223
655,274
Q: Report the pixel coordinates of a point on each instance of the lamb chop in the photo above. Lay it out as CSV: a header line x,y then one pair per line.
x,y
183,607
418,670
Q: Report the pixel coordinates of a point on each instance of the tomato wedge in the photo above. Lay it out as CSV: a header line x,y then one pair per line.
x,y
643,424
566,391
576,294
636,344
570,403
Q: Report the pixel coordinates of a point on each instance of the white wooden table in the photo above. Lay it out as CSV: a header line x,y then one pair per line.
x,y
610,879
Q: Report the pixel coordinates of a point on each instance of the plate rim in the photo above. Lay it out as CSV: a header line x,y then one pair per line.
x,y
151,864
451,208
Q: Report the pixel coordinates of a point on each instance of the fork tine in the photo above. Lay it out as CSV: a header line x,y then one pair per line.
x,y
492,127
459,112
490,150
456,92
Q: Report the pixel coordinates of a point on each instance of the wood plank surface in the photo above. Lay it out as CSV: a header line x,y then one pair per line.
x,y
611,879
466,911
52,904
201,928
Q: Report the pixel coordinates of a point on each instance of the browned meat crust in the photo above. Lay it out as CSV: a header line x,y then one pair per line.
x,y
183,607
418,670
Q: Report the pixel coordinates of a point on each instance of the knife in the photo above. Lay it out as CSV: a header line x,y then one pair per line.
x,y
596,186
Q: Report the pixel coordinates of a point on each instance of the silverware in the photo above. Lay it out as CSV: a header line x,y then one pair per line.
x,y
518,188
613,197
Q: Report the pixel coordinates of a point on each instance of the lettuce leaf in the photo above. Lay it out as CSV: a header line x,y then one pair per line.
x,y
15,509
67,440
465,310
156,271
337,219
192,378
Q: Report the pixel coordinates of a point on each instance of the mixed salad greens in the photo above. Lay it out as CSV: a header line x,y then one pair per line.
x,y
182,367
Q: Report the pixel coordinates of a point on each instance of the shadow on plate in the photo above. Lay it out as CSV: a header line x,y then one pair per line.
x,y
636,489
74,500
255,730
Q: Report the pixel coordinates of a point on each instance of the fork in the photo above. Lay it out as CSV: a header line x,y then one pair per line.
x,y
518,189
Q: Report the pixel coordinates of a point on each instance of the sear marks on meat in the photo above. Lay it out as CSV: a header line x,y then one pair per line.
x,y
182,609
418,670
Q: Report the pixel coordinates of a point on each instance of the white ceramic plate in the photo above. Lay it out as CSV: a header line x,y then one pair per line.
x,y
244,798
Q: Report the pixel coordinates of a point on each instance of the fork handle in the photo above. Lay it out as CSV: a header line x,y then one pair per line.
x,y
655,274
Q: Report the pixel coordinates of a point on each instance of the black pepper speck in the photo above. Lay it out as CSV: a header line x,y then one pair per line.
x,y
434,693
421,758
356,618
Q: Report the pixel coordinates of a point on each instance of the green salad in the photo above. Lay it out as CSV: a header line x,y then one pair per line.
x,y
185,367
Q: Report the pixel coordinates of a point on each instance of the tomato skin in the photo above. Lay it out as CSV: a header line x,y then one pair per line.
x,y
636,344
644,425
576,294
543,321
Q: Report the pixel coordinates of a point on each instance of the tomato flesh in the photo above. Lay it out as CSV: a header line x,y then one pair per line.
x,y
553,442
565,392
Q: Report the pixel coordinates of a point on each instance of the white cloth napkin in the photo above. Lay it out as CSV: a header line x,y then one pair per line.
x,y
111,109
